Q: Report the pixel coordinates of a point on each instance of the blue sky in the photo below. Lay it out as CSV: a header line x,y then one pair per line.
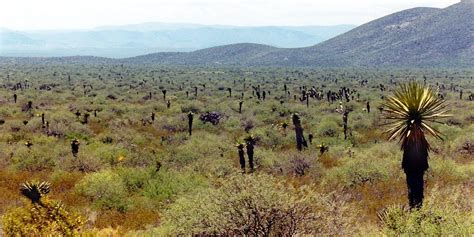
x,y
78,14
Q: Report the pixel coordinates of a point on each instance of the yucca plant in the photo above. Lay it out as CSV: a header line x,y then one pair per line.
x,y
409,112
35,190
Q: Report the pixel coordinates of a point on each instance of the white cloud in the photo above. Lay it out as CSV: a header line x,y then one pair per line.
x,y
65,14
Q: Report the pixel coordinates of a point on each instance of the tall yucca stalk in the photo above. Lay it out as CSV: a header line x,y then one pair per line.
x,y
409,112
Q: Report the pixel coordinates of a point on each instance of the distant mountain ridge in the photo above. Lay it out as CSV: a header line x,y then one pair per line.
x,y
139,39
418,37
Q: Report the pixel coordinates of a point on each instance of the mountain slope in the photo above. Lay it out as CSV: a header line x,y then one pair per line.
x,y
133,40
423,37
418,37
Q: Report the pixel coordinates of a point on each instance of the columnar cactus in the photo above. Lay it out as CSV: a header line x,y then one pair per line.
x,y
250,142
15,98
240,106
164,94
86,118
75,147
153,116
368,106
190,122
230,92
300,140
240,148
168,104
344,120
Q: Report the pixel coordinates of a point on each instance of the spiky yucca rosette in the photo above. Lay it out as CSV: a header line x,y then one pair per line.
x,y
410,110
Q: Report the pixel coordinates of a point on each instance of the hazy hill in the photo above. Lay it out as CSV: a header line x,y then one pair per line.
x,y
139,39
416,37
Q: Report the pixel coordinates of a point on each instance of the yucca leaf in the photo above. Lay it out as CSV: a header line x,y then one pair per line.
x,y
410,108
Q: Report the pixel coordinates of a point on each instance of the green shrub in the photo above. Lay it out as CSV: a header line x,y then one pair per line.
x,y
167,184
328,128
254,205
105,189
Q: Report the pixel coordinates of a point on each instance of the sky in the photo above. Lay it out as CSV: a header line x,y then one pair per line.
x,y
82,14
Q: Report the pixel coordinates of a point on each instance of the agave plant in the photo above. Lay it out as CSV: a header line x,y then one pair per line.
x,y
409,112
35,190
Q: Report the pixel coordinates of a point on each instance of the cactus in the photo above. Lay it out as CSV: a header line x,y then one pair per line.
x,y
164,94
75,147
344,120
368,106
168,104
230,92
250,142
310,138
323,148
34,191
78,114
28,144
190,122
300,140
240,148
152,116
86,118
15,97
240,106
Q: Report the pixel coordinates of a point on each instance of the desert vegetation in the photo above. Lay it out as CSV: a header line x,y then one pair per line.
x,y
126,149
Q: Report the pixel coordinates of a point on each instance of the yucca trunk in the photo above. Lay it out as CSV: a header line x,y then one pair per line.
x,y
241,157
415,163
250,153
300,140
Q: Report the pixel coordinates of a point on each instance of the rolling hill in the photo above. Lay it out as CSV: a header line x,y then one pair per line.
x,y
421,37
139,39
418,37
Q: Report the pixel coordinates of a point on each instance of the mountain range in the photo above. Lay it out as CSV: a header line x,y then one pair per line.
x,y
418,37
132,40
